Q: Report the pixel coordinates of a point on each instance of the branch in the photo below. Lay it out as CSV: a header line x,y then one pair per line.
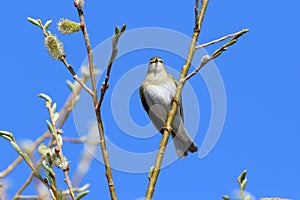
x,y
63,115
112,58
89,52
9,136
75,77
23,187
220,39
103,89
55,49
64,193
58,139
206,58
172,112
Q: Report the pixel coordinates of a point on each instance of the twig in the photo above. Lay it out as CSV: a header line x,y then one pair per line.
x,y
23,187
19,159
66,192
114,51
63,60
59,146
90,54
64,113
217,40
217,53
75,77
9,136
172,112
80,140
95,99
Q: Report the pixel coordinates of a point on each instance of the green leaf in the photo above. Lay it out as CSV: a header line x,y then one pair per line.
x,y
243,184
60,195
242,176
216,54
82,194
34,21
7,135
226,197
117,30
50,127
15,146
151,172
53,108
123,28
47,24
44,96
231,42
70,85
55,117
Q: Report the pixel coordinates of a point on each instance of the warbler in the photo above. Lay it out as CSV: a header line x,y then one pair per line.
x,y
157,92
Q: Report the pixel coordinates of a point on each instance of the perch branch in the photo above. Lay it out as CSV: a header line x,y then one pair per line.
x,y
172,112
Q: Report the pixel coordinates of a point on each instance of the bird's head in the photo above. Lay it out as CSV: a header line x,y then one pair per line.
x,y
156,65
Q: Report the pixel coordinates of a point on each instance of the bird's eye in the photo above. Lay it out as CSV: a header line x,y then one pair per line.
x,y
156,60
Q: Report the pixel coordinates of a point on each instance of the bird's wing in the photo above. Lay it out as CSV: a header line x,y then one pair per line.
x,y
156,100
143,99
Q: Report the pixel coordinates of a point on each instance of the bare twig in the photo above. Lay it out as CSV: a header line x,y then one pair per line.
x,y
217,53
90,54
23,187
75,77
40,197
97,104
97,110
80,140
172,112
217,40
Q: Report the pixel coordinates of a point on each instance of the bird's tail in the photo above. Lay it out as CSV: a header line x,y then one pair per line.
x,y
183,144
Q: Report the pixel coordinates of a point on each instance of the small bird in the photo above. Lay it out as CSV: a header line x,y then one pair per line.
x,y
157,92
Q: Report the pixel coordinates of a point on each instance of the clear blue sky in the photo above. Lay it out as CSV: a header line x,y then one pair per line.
x,y
261,76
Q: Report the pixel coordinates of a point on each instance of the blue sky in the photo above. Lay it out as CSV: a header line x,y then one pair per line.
x,y
260,73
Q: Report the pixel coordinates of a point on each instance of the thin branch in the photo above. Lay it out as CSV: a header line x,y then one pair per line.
x,y
10,137
75,77
90,54
69,67
96,106
80,140
59,146
65,193
23,187
19,159
64,113
114,51
11,167
172,112
218,40
217,53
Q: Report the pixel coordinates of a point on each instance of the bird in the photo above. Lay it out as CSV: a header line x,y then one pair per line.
x,y
157,92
